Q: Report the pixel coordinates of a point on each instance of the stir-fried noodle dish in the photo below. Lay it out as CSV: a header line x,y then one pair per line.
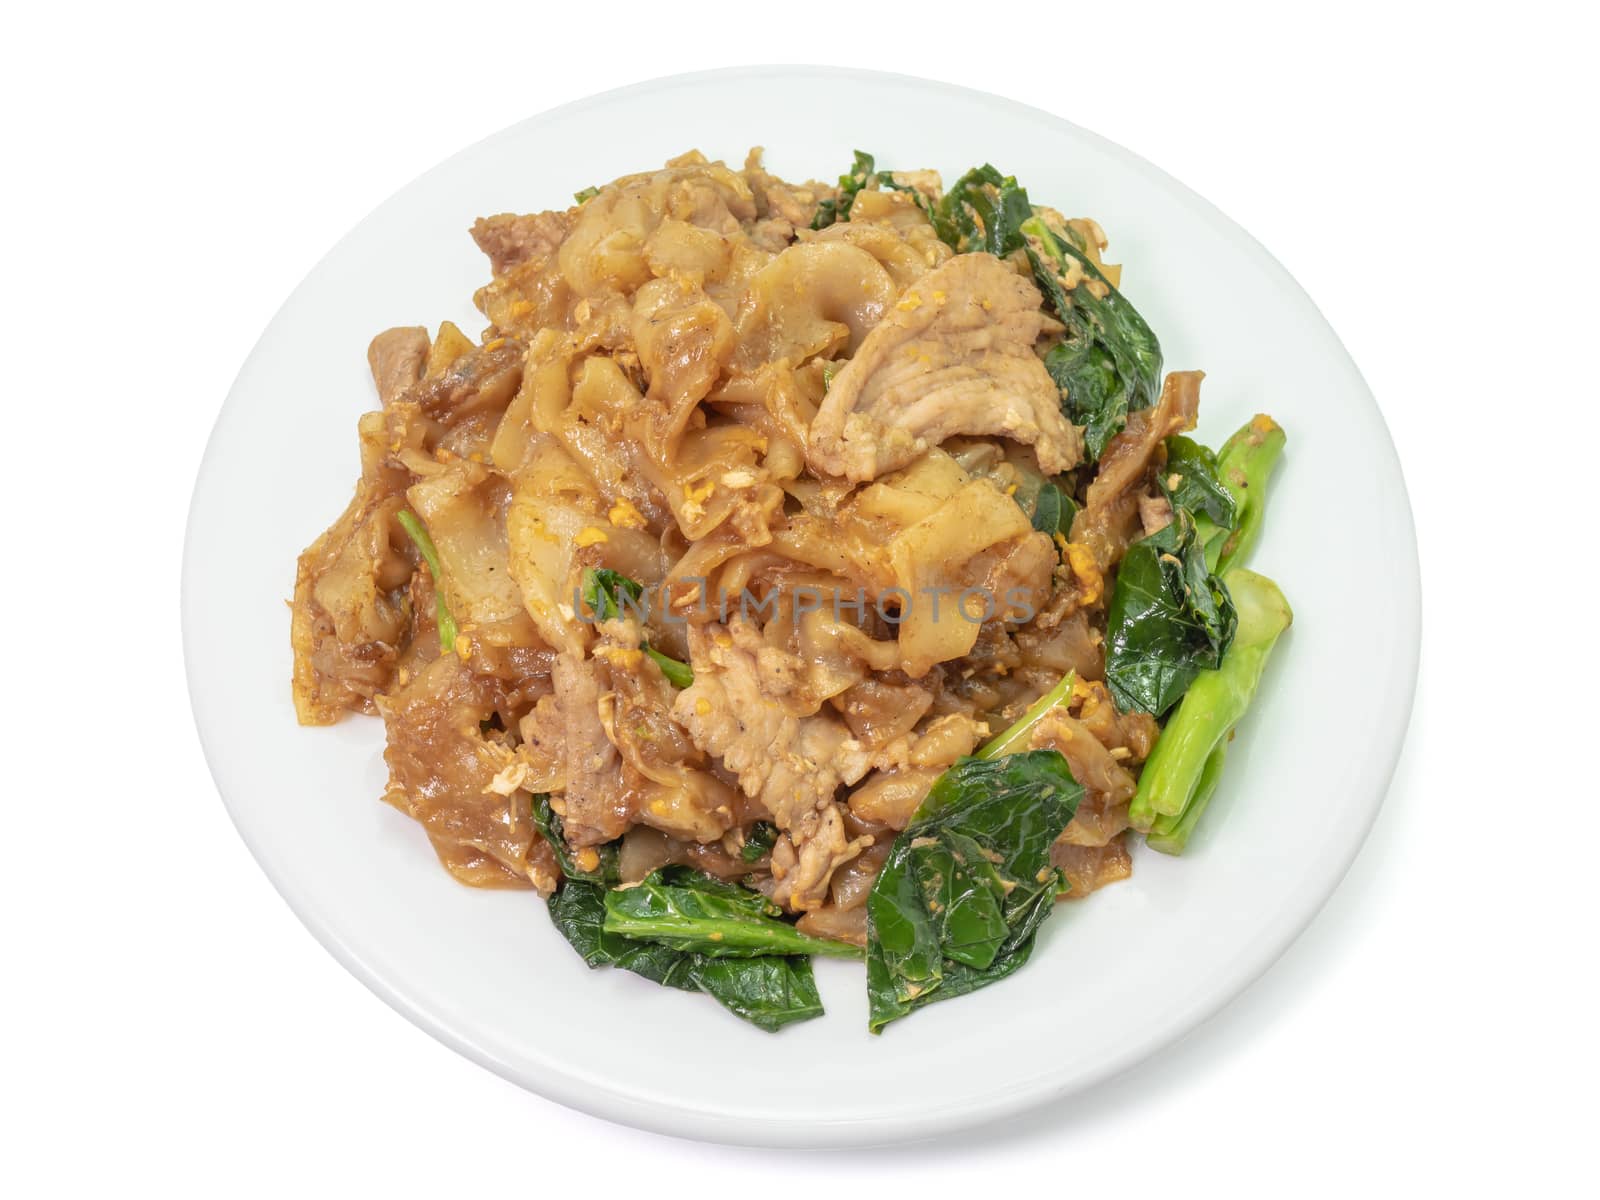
x,y
794,570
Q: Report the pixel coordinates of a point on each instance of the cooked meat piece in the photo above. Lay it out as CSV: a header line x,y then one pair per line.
x,y
480,381
954,356
544,745
1110,516
877,710
908,766
458,783
511,240
844,916
791,765
605,746
1155,513
660,761
396,357
1098,713
596,807
804,858
772,234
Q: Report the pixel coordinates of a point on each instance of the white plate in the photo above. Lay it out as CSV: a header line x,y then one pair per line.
x,y
1114,978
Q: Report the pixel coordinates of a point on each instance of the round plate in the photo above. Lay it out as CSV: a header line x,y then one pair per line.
x,y
1114,977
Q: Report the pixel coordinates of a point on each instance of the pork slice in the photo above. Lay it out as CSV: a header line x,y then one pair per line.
x,y
598,807
790,765
805,858
396,357
908,766
954,356
510,239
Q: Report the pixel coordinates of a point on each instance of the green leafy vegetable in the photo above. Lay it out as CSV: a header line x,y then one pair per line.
x,y
1244,465
1053,511
886,180
418,533
579,911
860,174
611,594
692,911
968,882
1181,772
769,992
1191,480
864,174
679,674
1170,619
548,822
1047,505
1108,362
983,210
763,836
588,193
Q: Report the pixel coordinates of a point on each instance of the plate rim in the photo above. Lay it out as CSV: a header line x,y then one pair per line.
x,y
602,1098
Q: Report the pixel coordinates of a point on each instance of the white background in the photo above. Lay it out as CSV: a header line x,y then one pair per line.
x,y
172,174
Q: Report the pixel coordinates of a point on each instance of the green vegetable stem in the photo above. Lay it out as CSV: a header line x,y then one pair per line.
x,y
1181,773
1244,465
418,533
1016,737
